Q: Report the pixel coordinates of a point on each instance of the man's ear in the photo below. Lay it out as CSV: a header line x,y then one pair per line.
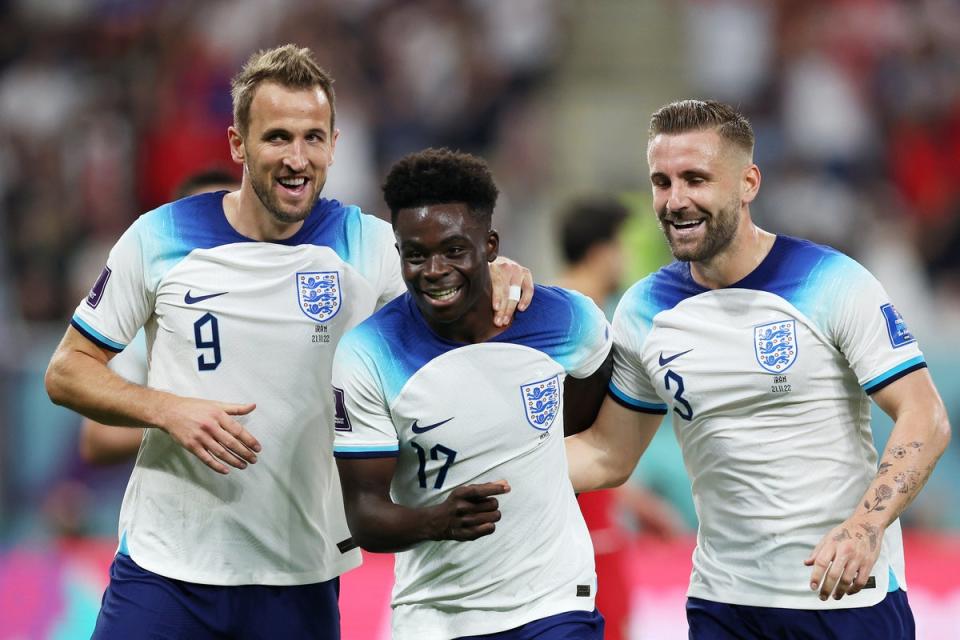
x,y
493,245
237,152
750,183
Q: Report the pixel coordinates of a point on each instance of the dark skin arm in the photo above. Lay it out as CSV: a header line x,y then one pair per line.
x,y
582,397
378,524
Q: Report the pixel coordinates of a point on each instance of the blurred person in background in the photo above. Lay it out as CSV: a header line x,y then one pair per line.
x,y
106,444
224,284
592,244
767,347
431,375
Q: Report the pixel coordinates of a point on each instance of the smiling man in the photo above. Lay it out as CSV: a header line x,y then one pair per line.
x,y
766,349
446,423
244,297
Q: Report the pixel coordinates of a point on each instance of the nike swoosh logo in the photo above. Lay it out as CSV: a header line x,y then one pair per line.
x,y
189,299
418,429
664,361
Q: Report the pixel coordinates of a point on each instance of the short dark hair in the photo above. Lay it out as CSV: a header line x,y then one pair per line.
x,y
196,182
289,66
589,221
441,176
695,115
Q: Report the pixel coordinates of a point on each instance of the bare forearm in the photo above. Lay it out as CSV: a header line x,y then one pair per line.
x,y
605,454
910,456
592,464
387,527
82,383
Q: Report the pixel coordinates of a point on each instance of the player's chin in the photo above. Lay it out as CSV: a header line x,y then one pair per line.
x,y
291,215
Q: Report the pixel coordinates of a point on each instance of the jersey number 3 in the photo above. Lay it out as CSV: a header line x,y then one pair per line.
x,y
206,335
682,408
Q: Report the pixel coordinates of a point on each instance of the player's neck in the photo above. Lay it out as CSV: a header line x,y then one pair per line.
x,y
247,215
745,253
473,327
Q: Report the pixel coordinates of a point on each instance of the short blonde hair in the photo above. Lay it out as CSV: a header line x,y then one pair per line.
x,y
290,66
695,115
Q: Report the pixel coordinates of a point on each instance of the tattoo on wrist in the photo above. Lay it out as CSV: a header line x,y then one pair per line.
x,y
884,467
880,494
872,532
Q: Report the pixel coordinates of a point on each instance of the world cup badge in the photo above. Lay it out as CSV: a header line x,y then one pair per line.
x,y
541,402
319,294
775,344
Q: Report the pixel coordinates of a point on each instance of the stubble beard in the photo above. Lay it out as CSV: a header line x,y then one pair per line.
x,y
721,229
272,204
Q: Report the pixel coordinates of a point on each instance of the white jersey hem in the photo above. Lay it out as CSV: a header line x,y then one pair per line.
x,y
812,602
349,560
430,623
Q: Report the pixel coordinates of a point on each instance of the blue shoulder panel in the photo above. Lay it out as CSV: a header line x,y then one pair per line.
x,y
398,342
170,232
660,291
557,322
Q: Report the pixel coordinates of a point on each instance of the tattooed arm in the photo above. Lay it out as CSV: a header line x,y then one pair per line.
x,y
843,559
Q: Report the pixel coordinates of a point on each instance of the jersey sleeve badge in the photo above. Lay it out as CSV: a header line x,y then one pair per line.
x,y
896,327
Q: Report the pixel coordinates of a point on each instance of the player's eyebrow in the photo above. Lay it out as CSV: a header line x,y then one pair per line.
x,y
275,131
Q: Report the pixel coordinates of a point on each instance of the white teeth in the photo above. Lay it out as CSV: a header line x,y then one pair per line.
x,y
446,294
687,224
292,182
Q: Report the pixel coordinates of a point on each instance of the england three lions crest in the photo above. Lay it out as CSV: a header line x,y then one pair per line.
x,y
541,402
318,293
776,345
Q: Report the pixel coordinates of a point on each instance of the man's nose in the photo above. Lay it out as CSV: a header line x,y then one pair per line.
x,y
296,157
435,267
677,199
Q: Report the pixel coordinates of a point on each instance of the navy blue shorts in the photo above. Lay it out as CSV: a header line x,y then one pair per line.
x,y
572,625
141,605
889,619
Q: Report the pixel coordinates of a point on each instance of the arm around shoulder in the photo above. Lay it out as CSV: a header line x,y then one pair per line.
x,y
605,454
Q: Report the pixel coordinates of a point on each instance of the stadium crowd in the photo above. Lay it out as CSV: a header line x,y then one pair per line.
x,y
106,106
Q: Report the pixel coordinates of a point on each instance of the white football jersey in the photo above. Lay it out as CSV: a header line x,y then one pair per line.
x,y
235,320
767,381
460,414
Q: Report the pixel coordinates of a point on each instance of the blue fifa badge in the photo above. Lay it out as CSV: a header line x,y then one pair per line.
x,y
896,327
318,293
775,345
541,402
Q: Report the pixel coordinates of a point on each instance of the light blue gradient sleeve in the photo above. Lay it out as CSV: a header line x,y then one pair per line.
x,y
589,336
363,425
123,298
632,322
852,308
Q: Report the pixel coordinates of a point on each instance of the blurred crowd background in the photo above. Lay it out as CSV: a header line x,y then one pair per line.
x,y
106,105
